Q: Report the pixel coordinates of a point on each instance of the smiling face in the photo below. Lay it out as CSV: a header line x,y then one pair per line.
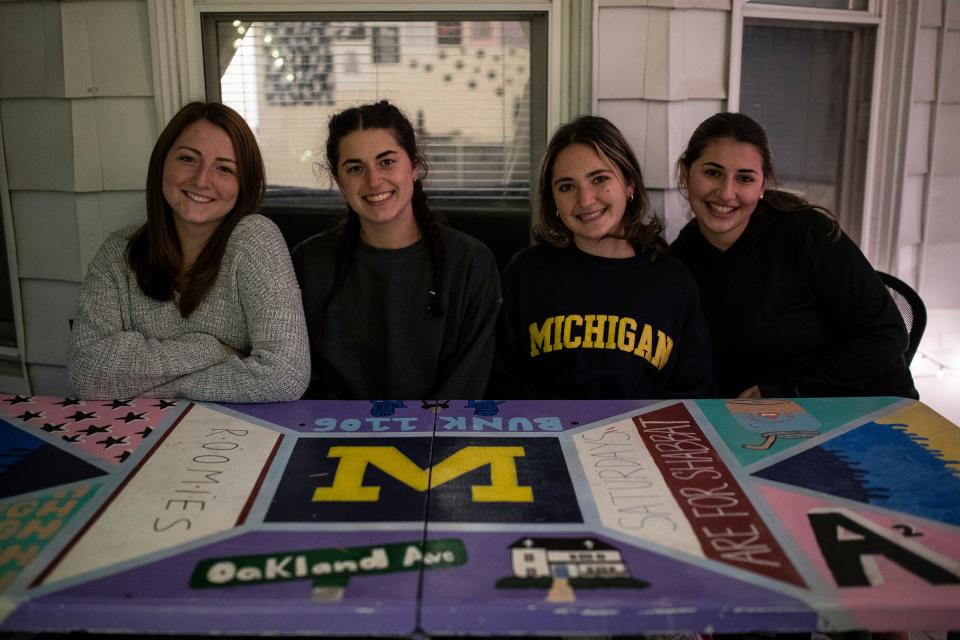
x,y
200,180
591,196
724,186
376,177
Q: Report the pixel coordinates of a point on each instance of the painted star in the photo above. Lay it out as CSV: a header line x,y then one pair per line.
x,y
79,416
92,429
163,404
50,428
116,404
74,438
68,402
123,456
110,441
18,399
131,416
26,416
145,433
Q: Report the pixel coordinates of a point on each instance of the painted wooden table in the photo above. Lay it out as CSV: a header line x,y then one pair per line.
x,y
478,517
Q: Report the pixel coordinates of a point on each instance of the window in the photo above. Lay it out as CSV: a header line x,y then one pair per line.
x,y
860,5
809,85
8,329
386,45
9,312
448,33
297,64
472,103
480,30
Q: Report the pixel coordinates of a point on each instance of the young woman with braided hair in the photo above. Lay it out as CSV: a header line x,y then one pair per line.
x,y
398,305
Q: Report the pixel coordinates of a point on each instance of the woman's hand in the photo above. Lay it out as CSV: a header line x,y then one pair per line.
x,y
752,392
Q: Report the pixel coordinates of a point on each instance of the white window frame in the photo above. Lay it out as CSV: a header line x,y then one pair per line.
x,y
12,384
177,49
889,105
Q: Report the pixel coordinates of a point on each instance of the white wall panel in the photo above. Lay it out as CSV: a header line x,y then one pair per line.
x,y
925,66
917,143
661,69
939,287
47,380
676,213
931,13
661,54
127,128
705,43
911,210
86,131
950,74
943,215
78,72
907,256
31,54
46,234
48,306
941,333
621,52
107,48
694,112
953,14
38,143
630,116
98,214
120,48
662,126
946,159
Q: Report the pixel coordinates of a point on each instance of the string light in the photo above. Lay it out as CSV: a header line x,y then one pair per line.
x,y
942,369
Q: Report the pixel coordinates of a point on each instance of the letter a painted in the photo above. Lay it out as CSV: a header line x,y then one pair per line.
x,y
849,543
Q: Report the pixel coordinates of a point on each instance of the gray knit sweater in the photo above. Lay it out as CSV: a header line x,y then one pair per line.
x,y
127,344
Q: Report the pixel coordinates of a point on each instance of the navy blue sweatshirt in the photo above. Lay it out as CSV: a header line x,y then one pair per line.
x,y
797,310
574,325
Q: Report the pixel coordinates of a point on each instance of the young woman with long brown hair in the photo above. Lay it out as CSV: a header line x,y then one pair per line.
x,y
201,300
794,307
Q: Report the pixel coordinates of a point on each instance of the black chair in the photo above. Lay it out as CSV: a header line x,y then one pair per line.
x,y
912,309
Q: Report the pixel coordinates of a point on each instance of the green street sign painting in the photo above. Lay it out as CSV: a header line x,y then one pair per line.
x,y
327,567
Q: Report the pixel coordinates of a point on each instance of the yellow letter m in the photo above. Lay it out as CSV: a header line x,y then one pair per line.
x,y
348,482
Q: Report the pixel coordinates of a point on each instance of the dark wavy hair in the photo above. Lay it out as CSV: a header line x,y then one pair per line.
x,y
154,253
382,115
640,228
743,128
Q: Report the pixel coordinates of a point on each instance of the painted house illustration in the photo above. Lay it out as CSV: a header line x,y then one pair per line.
x,y
566,558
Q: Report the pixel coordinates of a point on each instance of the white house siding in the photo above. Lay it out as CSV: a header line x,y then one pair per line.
x,y
78,121
661,68
929,236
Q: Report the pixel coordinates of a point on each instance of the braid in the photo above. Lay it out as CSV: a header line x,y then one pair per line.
x,y
348,236
430,228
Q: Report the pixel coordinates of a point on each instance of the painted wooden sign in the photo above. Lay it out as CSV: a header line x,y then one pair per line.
x,y
393,517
